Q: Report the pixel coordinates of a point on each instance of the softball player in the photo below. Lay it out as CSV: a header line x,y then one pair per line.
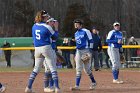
x,y
42,34
84,42
2,88
48,81
114,40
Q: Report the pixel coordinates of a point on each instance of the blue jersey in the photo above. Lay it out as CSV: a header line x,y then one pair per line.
x,y
113,37
54,46
83,39
42,33
53,42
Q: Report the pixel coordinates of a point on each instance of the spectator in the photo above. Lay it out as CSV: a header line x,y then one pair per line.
x,y
132,51
7,53
107,58
97,47
100,56
72,53
66,53
106,54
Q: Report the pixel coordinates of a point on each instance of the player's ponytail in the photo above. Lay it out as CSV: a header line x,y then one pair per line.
x,y
38,17
41,15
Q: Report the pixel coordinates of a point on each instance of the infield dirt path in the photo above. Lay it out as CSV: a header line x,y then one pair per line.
x,y
16,82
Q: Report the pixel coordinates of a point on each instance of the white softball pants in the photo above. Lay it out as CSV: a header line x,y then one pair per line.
x,y
114,57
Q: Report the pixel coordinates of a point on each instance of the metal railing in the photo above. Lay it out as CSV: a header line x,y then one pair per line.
x,y
63,47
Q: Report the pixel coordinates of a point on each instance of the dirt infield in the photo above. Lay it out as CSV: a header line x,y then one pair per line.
x,y
16,82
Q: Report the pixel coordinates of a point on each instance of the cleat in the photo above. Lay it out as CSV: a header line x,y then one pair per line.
x,y
76,88
48,90
97,70
57,90
27,90
92,87
2,89
117,81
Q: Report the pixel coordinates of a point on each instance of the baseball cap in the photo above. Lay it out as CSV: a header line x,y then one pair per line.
x,y
116,23
78,21
44,13
49,20
93,27
132,37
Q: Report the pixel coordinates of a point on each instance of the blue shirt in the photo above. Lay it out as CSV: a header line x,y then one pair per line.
x,y
83,39
113,37
42,33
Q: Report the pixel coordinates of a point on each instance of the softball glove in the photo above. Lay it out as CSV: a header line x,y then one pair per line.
x,y
86,57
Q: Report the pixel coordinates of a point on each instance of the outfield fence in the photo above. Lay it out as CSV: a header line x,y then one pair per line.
x,y
64,47
129,62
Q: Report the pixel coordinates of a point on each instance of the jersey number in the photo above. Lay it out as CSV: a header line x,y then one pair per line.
x,y
37,32
78,41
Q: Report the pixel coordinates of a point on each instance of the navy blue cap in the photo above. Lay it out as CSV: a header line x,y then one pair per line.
x,y
80,21
44,13
93,27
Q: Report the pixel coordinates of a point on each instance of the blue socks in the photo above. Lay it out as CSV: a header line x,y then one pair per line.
x,y
51,83
51,78
55,79
78,78
115,74
46,79
31,79
92,78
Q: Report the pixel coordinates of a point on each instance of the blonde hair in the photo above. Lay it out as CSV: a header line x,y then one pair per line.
x,y
38,17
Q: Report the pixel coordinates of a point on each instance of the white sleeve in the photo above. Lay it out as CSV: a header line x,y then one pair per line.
x,y
50,29
110,34
88,34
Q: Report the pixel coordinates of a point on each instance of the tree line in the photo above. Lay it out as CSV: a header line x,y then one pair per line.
x,y
17,16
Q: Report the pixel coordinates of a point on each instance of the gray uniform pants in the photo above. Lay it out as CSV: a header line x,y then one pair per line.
x,y
80,64
114,57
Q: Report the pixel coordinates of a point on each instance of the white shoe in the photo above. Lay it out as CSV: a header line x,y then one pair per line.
x,y
76,88
49,89
27,90
117,81
2,89
57,90
92,87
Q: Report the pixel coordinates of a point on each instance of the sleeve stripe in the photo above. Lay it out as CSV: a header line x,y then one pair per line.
x,y
110,34
88,33
47,27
